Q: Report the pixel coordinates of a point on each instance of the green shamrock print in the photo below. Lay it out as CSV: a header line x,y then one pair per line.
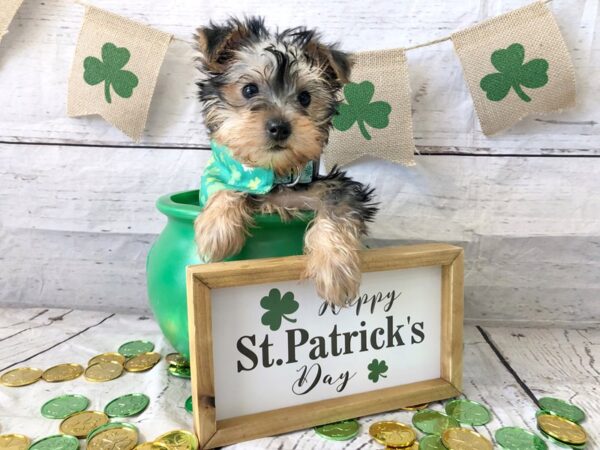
x,y
110,71
377,369
512,73
278,307
359,109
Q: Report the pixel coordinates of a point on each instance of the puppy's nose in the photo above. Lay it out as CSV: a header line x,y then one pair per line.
x,y
278,129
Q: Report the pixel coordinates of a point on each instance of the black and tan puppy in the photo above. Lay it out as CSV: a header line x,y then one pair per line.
x,y
268,101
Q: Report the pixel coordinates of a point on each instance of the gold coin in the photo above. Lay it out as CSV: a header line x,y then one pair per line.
x,y
177,359
142,362
107,357
103,371
81,423
21,376
463,439
152,446
393,434
14,442
562,429
114,439
62,372
179,440
415,407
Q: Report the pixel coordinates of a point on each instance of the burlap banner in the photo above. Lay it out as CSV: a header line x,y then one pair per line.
x,y
8,9
114,71
515,65
375,118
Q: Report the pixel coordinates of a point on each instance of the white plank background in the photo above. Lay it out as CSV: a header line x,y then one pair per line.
x,y
77,197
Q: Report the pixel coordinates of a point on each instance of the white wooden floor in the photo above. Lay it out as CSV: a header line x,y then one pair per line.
x,y
505,368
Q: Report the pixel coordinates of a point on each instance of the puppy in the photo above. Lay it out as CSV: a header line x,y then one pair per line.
x,y
268,100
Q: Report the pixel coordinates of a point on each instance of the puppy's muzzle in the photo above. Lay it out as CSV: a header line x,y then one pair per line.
x,y
278,130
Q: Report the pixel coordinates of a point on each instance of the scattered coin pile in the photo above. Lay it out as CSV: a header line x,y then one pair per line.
x,y
134,356
77,422
444,431
95,427
557,420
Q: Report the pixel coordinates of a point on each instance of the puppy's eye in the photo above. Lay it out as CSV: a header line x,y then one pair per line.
x,y
304,98
249,90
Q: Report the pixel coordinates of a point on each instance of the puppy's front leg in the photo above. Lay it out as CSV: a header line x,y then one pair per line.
x,y
342,209
221,228
332,247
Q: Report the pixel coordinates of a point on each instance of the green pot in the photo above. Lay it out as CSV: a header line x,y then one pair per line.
x,y
175,249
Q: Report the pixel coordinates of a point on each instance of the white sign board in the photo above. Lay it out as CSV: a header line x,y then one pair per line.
x,y
266,359
268,356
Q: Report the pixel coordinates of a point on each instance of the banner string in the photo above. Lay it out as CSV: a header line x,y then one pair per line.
x,y
440,40
406,49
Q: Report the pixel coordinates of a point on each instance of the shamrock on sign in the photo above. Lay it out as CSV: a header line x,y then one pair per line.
x,y
359,109
512,73
278,307
110,71
377,369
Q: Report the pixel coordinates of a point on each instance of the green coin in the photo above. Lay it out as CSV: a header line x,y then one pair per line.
x,y
108,426
127,405
433,422
468,412
56,442
513,438
181,372
63,406
563,409
188,405
431,442
134,348
338,431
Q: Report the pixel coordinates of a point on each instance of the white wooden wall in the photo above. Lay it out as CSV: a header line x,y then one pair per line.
x,y
77,197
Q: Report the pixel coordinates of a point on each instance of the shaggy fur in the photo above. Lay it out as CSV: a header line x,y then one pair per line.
x,y
270,97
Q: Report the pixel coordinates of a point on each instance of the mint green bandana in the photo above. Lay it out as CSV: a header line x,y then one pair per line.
x,y
225,172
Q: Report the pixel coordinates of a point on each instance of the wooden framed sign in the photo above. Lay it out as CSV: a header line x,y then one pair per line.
x,y
268,356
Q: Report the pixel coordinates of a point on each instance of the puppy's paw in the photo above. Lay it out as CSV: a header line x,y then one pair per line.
x,y
215,240
337,282
333,261
220,230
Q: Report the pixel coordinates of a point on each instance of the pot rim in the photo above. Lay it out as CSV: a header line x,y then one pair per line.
x,y
172,206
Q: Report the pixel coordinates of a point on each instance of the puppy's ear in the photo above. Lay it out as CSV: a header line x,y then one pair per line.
x,y
338,64
217,43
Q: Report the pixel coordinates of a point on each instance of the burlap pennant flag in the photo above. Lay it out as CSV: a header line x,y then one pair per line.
x,y
8,9
115,70
375,117
515,65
